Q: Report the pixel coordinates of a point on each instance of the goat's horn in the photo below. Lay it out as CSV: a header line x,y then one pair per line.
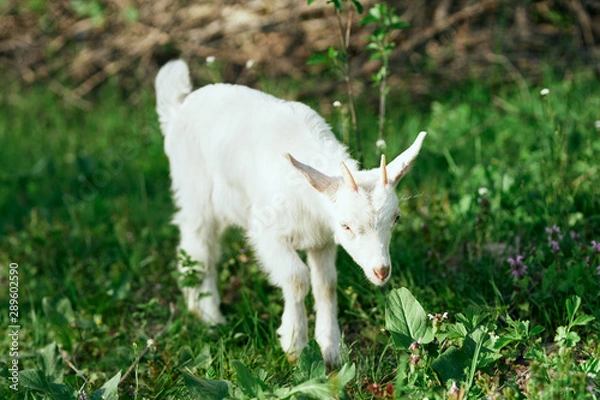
x,y
348,179
383,170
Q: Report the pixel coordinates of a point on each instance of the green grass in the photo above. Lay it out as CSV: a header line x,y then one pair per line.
x,y
85,208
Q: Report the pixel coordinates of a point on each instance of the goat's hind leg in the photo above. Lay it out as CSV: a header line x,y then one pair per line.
x,y
201,243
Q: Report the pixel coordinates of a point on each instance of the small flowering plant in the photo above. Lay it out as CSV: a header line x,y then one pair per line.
x,y
566,263
517,268
430,341
554,236
461,353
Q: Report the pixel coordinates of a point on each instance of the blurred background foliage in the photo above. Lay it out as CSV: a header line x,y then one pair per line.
x,y
77,44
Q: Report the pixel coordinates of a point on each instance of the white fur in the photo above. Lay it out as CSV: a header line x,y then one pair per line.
x,y
228,148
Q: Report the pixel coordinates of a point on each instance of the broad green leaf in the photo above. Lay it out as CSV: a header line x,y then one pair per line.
x,y
310,365
472,317
250,385
457,331
315,388
451,364
33,379
108,391
51,363
488,352
405,318
36,380
205,389
321,388
59,391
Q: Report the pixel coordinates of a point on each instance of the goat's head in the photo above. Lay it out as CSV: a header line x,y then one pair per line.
x,y
364,208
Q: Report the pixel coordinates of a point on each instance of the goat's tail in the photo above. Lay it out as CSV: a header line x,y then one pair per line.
x,y
172,86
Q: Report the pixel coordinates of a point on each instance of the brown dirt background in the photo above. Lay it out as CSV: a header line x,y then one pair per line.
x,y
76,45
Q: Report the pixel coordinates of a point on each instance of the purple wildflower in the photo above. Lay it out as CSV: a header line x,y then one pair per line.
x,y
598,269
554,233
518,269
555,246
595,246
574,235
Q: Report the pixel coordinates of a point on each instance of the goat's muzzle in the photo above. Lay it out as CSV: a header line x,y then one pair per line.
x,y
382,272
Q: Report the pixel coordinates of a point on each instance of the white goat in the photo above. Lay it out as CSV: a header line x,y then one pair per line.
x,y
229,149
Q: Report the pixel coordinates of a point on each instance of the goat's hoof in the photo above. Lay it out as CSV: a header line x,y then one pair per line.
x,y
208,318
292,357
332,359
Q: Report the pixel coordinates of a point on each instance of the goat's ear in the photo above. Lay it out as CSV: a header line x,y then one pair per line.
x,y
401,164
323,183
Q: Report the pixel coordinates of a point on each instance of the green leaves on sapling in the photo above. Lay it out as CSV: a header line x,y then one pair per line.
x,y
385,18
386,22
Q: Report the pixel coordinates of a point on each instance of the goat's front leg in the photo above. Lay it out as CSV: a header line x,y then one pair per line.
x,y
287,271
324,286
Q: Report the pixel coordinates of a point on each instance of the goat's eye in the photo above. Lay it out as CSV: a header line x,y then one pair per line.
x,y
397,218
346,228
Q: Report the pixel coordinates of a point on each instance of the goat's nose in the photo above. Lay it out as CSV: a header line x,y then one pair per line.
x,y
382,272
